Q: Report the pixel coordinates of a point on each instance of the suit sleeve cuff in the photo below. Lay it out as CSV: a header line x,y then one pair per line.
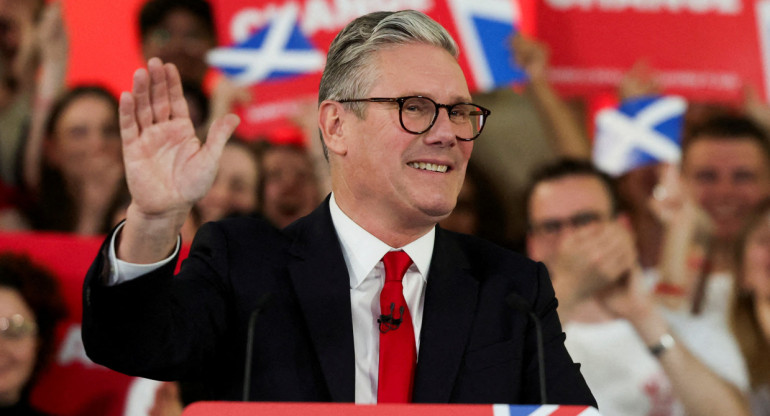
x,y
122,271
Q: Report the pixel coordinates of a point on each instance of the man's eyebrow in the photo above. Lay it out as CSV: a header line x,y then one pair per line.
x,y
453,100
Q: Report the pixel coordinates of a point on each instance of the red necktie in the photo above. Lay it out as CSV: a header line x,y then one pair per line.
x,y
398,353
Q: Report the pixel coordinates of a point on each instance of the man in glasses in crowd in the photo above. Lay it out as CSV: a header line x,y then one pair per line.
x,y
632,360
364,300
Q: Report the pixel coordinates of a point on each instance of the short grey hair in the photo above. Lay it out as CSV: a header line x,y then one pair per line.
x,y
349,74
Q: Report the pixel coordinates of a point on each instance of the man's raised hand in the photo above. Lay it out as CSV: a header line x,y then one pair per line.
x,y
167,167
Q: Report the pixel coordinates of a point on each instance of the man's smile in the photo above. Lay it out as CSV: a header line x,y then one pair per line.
x,y
433,167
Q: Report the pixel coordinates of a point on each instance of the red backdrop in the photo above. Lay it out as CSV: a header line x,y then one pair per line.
x,y
591,45
104,42
702,50
72,385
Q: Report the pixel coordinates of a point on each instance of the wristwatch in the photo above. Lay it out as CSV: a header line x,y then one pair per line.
x,y
665,343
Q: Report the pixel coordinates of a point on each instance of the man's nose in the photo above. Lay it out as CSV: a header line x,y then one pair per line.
x,y
724,186
443,131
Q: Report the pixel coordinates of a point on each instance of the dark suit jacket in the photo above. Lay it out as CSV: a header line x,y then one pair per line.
x,y
473,348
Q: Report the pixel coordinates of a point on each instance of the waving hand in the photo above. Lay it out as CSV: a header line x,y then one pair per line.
x,y
167,167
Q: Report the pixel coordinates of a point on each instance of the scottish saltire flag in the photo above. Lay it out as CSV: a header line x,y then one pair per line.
x,y
544,410
639,132
485,28
278,50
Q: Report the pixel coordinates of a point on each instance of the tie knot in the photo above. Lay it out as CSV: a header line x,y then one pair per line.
x,y
396,263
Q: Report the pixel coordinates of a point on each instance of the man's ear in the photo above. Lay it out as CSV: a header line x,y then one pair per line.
x,y
331,116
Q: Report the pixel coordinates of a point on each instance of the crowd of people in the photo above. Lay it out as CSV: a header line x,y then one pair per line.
x,y
62,160
662,274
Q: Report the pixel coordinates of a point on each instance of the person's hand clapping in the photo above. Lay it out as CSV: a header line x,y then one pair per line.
x,y
594,257
627,298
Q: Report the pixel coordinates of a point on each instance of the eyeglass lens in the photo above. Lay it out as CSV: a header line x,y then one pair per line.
x,y
554,227
16,327
419,113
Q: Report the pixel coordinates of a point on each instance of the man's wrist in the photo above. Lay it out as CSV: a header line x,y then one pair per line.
x,y
122,271
148,239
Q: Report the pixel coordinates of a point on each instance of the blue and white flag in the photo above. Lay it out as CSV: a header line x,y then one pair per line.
x,y
639,132
485,29
278,50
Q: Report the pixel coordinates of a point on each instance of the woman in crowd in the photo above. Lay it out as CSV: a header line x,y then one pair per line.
x,y
288,185
30,308
750,309
234,191
81,165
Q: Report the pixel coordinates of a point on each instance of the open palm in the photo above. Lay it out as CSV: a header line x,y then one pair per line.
x,y
167,167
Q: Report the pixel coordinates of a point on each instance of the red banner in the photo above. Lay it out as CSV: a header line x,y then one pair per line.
x,y
703,49
258,35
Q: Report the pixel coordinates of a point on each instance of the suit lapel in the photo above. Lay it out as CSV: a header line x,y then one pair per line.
x,y
322,284
450,302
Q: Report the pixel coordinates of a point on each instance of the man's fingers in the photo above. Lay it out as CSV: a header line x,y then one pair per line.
x,y
615,266
159,94
141,94
178,104
220,131
129,129
619,285
619,252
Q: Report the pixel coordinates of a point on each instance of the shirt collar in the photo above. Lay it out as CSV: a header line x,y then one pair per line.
x,y
362,251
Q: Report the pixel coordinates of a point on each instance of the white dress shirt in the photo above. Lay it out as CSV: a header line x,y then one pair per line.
x,y
363,254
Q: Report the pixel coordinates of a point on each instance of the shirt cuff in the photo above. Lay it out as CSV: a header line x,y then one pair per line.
x,y
123,271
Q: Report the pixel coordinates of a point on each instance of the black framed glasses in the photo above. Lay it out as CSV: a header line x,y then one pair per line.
x,y
418,114
554,227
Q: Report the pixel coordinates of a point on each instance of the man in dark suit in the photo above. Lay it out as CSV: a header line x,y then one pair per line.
x,y
332,330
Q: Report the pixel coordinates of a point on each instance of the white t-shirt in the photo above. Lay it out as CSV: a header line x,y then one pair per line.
x,y
708,335
624,377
